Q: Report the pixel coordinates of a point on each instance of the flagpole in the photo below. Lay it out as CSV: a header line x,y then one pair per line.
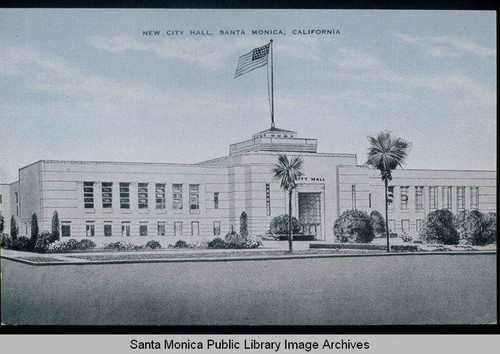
x,y
272,86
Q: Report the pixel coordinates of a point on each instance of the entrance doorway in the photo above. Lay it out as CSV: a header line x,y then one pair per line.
x,y
310,213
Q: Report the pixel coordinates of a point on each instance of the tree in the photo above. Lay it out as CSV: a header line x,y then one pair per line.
x,y
378,222
34,229
279,225
13,228
385,154
287,172
439,227
354,226
244,224
55,226
2,223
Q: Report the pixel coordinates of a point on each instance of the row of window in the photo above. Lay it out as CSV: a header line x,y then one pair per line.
x,y
446,197
143,196
144,229
405,225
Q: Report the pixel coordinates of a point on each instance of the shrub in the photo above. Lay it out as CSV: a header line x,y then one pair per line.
x,y
217,243
475,228
2,223
244,224
469,227
439,227
234,240
34,230
405,237
119,245
378,222
490,227
153,244
253,242
55,226
6,242
43,241
21,243
71,245
354,226
85,244
14,231
181,244
279,225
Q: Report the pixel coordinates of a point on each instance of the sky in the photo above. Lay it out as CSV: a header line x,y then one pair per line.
x,y
89,85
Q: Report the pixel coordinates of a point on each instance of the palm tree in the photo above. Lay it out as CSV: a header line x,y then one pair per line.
x,y
287,172
385,154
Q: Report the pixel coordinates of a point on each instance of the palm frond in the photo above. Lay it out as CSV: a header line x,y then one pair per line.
x,y
287,171
386,153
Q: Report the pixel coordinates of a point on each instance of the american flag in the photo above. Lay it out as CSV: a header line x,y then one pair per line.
x,y
252,60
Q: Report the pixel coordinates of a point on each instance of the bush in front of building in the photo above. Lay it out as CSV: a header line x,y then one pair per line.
x,y
43,241
71,245
406,237
439,227
6,242
153,244
354,226
475,228
244,224
34,230
235,240
181,244
378,223
122,246
217,243
21,243
490,227
2,223
279,225
14,231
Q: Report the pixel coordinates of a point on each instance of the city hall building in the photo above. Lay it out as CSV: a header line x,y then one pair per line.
x,y
110,201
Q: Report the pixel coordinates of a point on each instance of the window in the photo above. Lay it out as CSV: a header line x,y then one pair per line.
x,y
474,198
195,228
17,197
353,196
369,200
419,224
88,195
0,199
392,225
107,195
433,198
142,195
460,198
419,198
126,228
178,228
216,200
405,225
194,197
90,229
446,198
404,197
125,196
65,229
390,197
216,228
160,196
161,228
108,229
268,199
177,196
143,230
